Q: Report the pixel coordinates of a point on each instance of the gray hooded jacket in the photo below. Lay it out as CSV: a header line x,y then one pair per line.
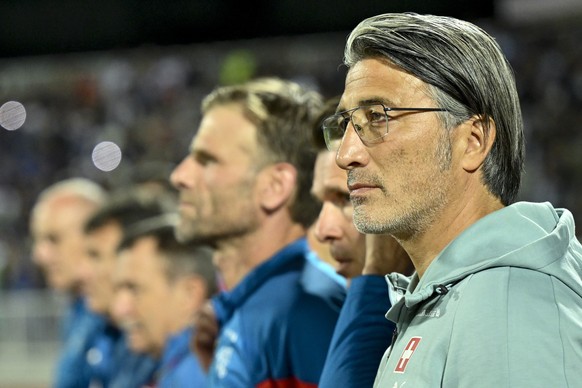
x,y
500,306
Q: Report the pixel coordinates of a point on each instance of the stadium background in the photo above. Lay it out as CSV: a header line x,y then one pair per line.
x,y
133,73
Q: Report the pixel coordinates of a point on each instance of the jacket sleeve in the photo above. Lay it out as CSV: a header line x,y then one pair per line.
x,y
361,336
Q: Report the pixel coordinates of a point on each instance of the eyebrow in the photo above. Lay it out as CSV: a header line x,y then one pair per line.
x,y
369,101
201,153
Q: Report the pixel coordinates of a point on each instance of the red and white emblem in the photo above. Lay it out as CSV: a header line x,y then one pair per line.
x,y
407,354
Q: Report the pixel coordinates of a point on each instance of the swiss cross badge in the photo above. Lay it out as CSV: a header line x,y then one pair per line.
x,y
407,354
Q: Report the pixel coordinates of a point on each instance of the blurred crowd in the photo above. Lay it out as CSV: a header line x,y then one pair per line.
x,y
147,101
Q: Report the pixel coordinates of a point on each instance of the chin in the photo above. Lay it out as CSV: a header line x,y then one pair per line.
x,y
345,270
95,307
61,285
137,345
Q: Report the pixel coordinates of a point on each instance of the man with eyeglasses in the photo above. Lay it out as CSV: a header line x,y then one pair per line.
x,y
429,130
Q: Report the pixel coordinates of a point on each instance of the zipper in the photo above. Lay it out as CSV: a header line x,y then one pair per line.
x,y
394,336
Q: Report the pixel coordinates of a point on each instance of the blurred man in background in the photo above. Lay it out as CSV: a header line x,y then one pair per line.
x,y
56,226
244,189
334,225
355,350
160,285
112,364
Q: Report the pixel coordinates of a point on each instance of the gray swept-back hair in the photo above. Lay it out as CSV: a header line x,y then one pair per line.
x,y
467,73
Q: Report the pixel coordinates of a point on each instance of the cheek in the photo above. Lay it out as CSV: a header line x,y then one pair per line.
x,y
408,164
213,177
154,301
71,252
110,268
175,302
348,212
395,168
142,305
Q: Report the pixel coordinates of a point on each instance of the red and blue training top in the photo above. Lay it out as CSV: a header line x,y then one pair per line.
x,y
277,323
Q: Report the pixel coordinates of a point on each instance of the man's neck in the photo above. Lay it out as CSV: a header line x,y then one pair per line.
x,y
237,257
425,246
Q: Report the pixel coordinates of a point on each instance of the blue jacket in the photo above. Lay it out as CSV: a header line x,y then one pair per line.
x,y
80,328
114,365
136,371
180,367
101,355
361,336
277,323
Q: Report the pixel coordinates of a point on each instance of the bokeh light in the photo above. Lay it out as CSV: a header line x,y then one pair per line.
x,y
12,115
106,156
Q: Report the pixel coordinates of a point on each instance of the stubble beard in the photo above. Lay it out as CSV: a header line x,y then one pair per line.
x,y
225,217
186,231
404,221
412,217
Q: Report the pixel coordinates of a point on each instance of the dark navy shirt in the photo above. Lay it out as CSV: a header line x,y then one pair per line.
x,y
361,336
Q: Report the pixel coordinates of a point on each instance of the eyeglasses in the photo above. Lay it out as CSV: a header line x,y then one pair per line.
x,y
369,121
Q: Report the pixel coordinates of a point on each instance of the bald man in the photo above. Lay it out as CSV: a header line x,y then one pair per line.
x,y
56,226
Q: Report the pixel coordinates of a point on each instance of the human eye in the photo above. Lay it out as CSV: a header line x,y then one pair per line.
x,y
53,238
375,118
203,158
316,199
132,288
342,122
93,255
376,115
341,199
124,286
344,198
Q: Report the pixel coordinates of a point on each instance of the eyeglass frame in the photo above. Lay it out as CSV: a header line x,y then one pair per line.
x,y
351,111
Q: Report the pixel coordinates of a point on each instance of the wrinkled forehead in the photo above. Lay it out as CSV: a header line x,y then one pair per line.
x,y
379,81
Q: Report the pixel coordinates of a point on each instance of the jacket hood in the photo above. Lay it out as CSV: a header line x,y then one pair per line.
x,y
527,235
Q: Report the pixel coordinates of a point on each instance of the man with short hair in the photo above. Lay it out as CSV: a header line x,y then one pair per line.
x,y
245,189
160,285
334,225
356,350
112,363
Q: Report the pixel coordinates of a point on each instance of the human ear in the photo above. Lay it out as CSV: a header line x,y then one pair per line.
x,y
477,134
277,186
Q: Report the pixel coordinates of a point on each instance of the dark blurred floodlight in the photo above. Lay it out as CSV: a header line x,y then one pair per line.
x,y
106,156
12,115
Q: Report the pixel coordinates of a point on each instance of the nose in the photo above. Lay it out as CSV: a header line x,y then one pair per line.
x,y
351,152
84,269
41,252
121,306
178,177
327,225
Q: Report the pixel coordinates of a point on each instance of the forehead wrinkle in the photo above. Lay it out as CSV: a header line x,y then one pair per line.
x,y
373,80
